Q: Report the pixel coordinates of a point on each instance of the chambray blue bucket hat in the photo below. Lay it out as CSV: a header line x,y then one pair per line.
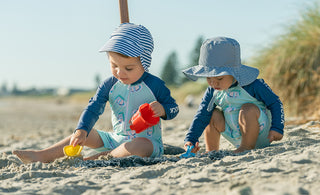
x,y
220,56
131,40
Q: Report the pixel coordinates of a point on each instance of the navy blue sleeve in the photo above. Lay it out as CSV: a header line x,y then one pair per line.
x,y
262,92
163,96
96,106
201,119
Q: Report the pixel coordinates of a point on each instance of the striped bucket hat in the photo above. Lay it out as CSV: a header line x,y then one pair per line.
x,y
131,40
220,56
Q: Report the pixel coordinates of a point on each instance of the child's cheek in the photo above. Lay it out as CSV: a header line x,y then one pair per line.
x,y
210,84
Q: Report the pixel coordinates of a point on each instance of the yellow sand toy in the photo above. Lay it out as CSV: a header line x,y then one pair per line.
x,y
72,151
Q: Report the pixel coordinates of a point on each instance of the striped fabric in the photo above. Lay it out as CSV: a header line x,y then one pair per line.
x,y
131,40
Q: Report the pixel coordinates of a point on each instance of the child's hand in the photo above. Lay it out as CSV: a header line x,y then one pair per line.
x,y
195,149
78,137
158,109
274,136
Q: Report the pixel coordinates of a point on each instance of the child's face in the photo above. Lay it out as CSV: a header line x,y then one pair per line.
x,y
126,69
221,82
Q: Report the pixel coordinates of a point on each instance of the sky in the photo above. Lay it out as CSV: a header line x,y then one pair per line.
x,y
55,43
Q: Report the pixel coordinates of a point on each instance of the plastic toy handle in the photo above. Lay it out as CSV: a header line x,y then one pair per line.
x,y
72,151
188,153
189,148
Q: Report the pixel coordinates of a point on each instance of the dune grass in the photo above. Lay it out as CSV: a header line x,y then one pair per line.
x,y
292,63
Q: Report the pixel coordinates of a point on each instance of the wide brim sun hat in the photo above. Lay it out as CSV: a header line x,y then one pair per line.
x,y
220,56
131,40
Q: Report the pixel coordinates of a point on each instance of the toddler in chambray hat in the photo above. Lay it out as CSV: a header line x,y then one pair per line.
x,y
236,105
131,40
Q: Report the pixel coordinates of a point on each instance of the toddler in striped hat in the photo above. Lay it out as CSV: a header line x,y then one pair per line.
x,y
131,85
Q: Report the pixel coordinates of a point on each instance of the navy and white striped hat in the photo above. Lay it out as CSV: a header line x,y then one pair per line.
x,y
131,40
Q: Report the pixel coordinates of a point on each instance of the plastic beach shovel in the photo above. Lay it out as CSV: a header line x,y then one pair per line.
x,y
72,151
188,153
143,119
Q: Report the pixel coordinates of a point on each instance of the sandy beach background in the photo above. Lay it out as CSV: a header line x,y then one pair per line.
x,y
291,166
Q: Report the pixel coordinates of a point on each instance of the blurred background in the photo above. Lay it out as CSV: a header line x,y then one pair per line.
x,y
50,48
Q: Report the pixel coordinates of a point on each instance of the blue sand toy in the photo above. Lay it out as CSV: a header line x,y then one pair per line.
x,y
188,153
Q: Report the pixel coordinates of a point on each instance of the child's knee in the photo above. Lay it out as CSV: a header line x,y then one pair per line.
x,y
140,146
249,111
217,120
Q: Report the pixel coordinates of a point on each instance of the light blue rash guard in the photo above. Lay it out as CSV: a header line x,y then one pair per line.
x,y
257,89
125,101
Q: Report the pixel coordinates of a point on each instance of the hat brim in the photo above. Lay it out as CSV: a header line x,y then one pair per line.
x,y
246,75
123,46
243,74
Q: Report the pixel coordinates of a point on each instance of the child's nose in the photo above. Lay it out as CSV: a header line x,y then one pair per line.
x,y
120,72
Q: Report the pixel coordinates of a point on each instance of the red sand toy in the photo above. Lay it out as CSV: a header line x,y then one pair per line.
x,y
143,118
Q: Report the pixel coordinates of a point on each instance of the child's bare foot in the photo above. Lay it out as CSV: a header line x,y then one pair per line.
x,y
242,149
27,156
206,152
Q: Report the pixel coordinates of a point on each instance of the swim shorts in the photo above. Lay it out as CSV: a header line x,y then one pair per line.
x,y
233,134
112,140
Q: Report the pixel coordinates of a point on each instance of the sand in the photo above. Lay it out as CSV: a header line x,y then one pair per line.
x,y
290,166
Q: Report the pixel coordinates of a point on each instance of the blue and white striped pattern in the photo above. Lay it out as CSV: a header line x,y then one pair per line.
x,y
131,40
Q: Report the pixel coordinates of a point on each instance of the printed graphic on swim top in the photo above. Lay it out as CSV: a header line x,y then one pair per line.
x,y
135,88
120,101
127,100
230,101
233,94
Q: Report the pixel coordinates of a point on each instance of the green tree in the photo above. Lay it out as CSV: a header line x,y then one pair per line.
x,y
194,56
169,72
4,88
15,90
97,80
195,53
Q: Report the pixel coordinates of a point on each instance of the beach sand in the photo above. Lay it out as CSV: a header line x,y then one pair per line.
x,y
290,166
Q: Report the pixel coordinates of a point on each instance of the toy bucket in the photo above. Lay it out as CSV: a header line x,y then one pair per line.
x,y
143,119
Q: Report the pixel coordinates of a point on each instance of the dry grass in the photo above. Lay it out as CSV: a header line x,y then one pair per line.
x,y
292,63
189,88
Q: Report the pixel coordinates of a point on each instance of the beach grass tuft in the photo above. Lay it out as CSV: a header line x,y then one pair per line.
x,y
291,64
